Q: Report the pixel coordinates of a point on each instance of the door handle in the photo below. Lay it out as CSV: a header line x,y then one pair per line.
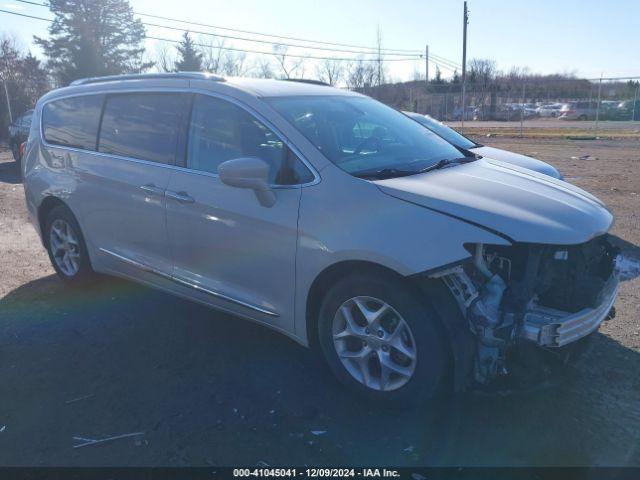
x,y
151,188
182,197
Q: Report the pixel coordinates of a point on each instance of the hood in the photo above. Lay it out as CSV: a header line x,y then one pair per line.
x,y
517,159
522,205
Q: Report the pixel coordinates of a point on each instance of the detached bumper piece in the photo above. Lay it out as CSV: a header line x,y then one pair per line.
x,y
548,327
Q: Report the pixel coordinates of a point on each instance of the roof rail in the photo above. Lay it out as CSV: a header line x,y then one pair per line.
x,y
307,80
150,76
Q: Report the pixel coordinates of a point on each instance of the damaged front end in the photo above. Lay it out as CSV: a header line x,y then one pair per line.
x,y
545,295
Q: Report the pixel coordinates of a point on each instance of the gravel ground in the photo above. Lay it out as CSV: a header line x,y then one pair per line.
x,y
203,388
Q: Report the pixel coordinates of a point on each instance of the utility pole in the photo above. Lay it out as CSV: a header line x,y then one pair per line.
x,y
426,64
464,61
522,108
6,93
598,104
379,38
635,100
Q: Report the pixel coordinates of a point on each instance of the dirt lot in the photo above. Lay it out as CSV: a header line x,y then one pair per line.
x,y
203,388
552,128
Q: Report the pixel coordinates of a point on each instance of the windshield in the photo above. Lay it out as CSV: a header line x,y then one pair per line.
x,y
361,135
449,134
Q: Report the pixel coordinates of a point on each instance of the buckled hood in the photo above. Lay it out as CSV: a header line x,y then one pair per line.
x,y
522,205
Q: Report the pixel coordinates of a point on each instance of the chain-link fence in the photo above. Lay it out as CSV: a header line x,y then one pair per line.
x,y
514,99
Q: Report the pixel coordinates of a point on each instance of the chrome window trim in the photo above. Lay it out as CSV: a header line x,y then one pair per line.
x,y
187,283
248,109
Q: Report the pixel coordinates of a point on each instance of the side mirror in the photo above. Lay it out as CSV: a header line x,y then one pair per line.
x,y
248,172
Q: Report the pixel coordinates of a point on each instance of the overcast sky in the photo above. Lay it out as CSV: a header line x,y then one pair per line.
x,y
588,37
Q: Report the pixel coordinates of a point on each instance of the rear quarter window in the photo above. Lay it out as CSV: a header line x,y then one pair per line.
x,y
72,122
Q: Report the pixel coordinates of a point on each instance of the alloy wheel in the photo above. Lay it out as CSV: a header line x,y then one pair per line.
x,y
65,248
374,343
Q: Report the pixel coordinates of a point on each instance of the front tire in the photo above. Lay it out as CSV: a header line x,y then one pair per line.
x,y
381,340
66,247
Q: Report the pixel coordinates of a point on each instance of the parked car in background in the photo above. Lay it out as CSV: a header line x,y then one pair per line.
x,y
626,110
490,153
506,112
324,215
530,110
549,110
609,110
470,113
583,110
18,133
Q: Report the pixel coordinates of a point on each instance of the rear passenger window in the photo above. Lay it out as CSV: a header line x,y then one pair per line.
x,y
72,122
142,125
221,131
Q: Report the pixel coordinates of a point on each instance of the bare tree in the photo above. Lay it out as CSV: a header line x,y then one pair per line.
x,y
213,54
355,74
330,71
263,68
234,63
164,58
518,73
291,67
482,71
361,74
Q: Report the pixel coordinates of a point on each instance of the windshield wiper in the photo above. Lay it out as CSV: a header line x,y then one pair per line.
x,y
385,173
445,162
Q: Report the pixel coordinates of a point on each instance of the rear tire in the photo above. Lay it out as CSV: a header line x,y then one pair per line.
x,y
397,358
66,247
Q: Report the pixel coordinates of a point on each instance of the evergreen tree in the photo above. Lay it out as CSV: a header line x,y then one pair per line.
x,y
91,38
190,59
437,80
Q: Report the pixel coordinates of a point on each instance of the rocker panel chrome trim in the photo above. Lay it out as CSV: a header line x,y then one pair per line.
x,y
188,283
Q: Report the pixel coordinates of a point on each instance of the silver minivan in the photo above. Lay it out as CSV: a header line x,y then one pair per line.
x,y
325,215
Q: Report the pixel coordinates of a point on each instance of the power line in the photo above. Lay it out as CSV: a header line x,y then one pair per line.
x,y
370,50
313,57
417,57
436,59
446,61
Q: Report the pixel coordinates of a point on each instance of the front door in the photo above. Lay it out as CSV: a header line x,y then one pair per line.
x,y
230,250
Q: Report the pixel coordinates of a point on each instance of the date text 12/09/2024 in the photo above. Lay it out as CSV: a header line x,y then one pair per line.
x,y
316,472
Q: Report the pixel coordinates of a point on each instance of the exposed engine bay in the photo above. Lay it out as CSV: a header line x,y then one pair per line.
x,y
550,295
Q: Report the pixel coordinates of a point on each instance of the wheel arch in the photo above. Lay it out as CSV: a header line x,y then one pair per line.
x,y
329,276
449,320
48,203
